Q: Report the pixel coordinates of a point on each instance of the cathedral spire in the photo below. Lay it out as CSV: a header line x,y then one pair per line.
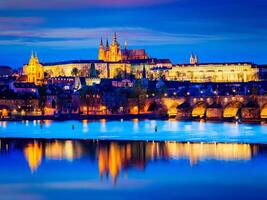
x,y
193,59
101,42
107,45
115,37
101,51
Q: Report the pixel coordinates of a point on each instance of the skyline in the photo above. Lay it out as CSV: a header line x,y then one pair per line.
x,y
218,31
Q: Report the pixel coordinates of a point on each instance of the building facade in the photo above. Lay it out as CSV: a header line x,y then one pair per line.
x,y
213,72
34,70
114,53
83,67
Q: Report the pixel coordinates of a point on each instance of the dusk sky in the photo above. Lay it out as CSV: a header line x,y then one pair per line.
x,y
217,31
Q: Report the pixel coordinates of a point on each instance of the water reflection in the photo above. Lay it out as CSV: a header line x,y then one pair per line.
x,y
60,150
115,158
33,153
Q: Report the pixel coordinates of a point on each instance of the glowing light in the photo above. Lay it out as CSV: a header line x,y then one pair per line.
x,y
33,154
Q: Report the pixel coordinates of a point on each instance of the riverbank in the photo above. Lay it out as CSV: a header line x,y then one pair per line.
x,y
114,117
86,117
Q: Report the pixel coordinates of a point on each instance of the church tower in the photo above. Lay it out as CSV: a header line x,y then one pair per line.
x,y
101,52
115,52
107,52
193,59
34,70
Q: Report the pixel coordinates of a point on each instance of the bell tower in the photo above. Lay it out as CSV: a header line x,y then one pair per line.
x,y
193,59
101,52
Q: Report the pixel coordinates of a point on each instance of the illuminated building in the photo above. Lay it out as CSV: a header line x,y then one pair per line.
x,y
104,69
3,111
213,72
193,59
150,68
114,53
5,71
34,71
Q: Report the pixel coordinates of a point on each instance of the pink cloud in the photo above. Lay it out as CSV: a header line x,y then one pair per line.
x,y
63,4
8,23
90,37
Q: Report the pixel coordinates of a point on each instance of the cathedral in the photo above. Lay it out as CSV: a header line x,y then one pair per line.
x,y
34,71
113,52
193,59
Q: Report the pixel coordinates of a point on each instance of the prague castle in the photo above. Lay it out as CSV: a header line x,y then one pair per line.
x,y
114,62
114,53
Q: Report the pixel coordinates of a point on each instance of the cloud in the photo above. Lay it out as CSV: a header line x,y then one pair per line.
x,y
90,37
8,23
63,4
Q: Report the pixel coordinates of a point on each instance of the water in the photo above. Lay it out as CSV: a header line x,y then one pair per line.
x,y
86,169
129,160
137,130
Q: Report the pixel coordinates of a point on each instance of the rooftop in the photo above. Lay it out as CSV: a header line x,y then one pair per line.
x,y
219,63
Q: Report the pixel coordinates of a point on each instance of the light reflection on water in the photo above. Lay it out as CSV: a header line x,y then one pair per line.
x,y
127,168
114,156
137,130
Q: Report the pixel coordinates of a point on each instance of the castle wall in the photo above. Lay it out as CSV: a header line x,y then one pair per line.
x,y
213,73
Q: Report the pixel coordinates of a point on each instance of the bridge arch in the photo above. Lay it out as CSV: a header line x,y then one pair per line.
x,y
184,111
250,111
263,112
232,109
199,109
171,105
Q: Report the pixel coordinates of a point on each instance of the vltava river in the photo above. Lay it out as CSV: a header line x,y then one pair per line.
x,y
132,159
137,130
87,169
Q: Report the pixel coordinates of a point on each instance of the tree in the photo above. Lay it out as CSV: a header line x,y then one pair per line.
x,y
46,75
93,72
139,92
151,77
119,73
74,71
42,97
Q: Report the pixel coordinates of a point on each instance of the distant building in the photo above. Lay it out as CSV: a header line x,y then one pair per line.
x,y
5,71
34,71
146,67
193,59
83,67
114,53
28,88
214,72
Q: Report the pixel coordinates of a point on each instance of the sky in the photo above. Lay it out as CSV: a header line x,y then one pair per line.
x,y
60,30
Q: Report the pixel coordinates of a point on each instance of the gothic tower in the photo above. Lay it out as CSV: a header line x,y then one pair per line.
x,y
193,59
110,53
101,52
107,52
115,53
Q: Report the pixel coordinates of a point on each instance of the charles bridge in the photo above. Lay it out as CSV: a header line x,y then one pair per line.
x,y
231,107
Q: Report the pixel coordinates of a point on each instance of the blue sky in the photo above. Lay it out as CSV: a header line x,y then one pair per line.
x,y
218,30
